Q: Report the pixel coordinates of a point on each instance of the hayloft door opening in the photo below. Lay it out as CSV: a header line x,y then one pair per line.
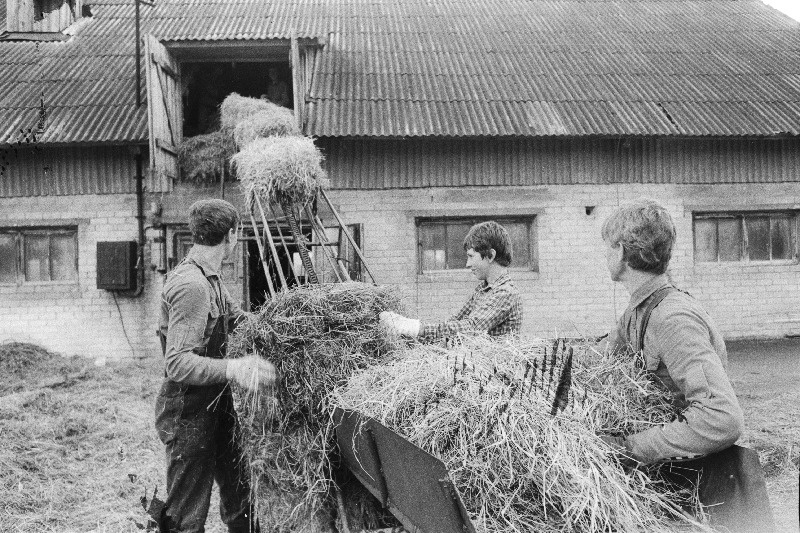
x,y
207,83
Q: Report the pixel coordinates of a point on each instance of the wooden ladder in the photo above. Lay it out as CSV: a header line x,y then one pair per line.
x,y
293,216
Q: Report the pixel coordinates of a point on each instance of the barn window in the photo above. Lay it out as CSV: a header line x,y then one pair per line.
x,y
441,241
730,237
33,255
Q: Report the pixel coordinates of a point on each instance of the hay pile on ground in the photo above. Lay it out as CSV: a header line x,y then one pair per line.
x,y
316,336
23,365
203,159
282,170
484,408
273,121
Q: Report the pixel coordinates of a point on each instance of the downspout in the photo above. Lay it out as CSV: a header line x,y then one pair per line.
x,y
139,172
138,53
140,218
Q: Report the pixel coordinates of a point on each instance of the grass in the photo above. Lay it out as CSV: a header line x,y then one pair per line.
x,y
80,458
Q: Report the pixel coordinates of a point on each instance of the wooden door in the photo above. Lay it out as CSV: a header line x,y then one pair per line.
x,y
164,111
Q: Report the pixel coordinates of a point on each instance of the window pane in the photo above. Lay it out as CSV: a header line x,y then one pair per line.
x,y
705,240
520,243
782,238
37,265
456,256
757,238
8,259
62,257
730,239
433,245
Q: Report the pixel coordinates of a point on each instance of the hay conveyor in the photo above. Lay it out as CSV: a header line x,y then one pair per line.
x,y
412,484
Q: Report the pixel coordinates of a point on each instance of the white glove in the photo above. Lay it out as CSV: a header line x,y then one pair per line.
x,y
251,372
400,324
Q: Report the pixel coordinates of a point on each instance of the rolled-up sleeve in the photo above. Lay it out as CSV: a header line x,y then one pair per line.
x,y
712,419
189,306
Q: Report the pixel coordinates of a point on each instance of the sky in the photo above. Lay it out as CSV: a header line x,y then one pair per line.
x,y
790,7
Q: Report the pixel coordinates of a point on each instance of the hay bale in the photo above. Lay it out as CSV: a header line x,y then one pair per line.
x,y
316,336
273,121
283,170
204,158
484,408
236,108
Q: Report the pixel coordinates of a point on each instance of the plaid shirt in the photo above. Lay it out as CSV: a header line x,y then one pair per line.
x,y
494,308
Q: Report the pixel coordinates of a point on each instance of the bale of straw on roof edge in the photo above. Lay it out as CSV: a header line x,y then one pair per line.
x,y
282,170
272,121
235,108
204,158
316,336
483,407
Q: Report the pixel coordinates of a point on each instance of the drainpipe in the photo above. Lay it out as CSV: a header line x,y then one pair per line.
x,y
138,54
140,218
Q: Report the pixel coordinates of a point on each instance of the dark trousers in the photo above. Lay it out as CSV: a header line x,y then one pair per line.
x,y
731,487
198,425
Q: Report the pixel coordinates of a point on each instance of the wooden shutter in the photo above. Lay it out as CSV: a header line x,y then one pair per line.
x,y
164,111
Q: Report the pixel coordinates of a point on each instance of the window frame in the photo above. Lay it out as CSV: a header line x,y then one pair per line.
x,y
530,219
20,233
741,217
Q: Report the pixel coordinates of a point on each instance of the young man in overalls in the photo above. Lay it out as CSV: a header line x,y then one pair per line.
x,y
195,417
684,352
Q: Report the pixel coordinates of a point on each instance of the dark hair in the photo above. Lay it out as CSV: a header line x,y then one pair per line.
x,y
646,233
211,220
490,235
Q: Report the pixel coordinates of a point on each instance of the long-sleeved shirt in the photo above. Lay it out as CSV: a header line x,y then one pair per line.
x,y
685,352
494,308
192,302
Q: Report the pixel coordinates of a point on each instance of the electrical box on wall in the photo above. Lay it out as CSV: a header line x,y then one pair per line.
x,y
116,265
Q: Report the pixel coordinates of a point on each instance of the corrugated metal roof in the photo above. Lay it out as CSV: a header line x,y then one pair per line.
x,y
450,68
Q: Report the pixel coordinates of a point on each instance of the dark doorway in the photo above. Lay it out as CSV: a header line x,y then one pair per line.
x,y
206,84
258,290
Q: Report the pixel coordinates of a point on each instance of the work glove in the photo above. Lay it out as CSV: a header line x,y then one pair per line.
x,y
619,450
399,324
251,372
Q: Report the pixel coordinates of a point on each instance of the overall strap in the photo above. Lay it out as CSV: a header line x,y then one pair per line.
x,y
652,302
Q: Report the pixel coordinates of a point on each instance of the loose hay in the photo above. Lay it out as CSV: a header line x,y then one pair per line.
x,y
282,170
316,336
204,158
484,407
273,121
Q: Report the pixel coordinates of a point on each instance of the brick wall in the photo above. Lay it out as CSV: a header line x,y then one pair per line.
x,y
76,317
572,293
569,294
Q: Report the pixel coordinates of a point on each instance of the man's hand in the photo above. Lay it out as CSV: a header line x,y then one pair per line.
x,y
251,372
400,324
619,450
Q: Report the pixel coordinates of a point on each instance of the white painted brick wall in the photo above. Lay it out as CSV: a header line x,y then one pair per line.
x,y
77,318
572,293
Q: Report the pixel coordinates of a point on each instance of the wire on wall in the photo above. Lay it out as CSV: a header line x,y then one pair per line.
x,y
122,322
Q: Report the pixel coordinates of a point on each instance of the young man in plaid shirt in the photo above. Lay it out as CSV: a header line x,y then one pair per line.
x,y
496,305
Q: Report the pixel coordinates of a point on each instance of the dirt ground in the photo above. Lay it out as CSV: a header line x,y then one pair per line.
x,y
766,377
80,457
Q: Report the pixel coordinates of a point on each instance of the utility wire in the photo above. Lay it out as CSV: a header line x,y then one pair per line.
x,y
121,321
